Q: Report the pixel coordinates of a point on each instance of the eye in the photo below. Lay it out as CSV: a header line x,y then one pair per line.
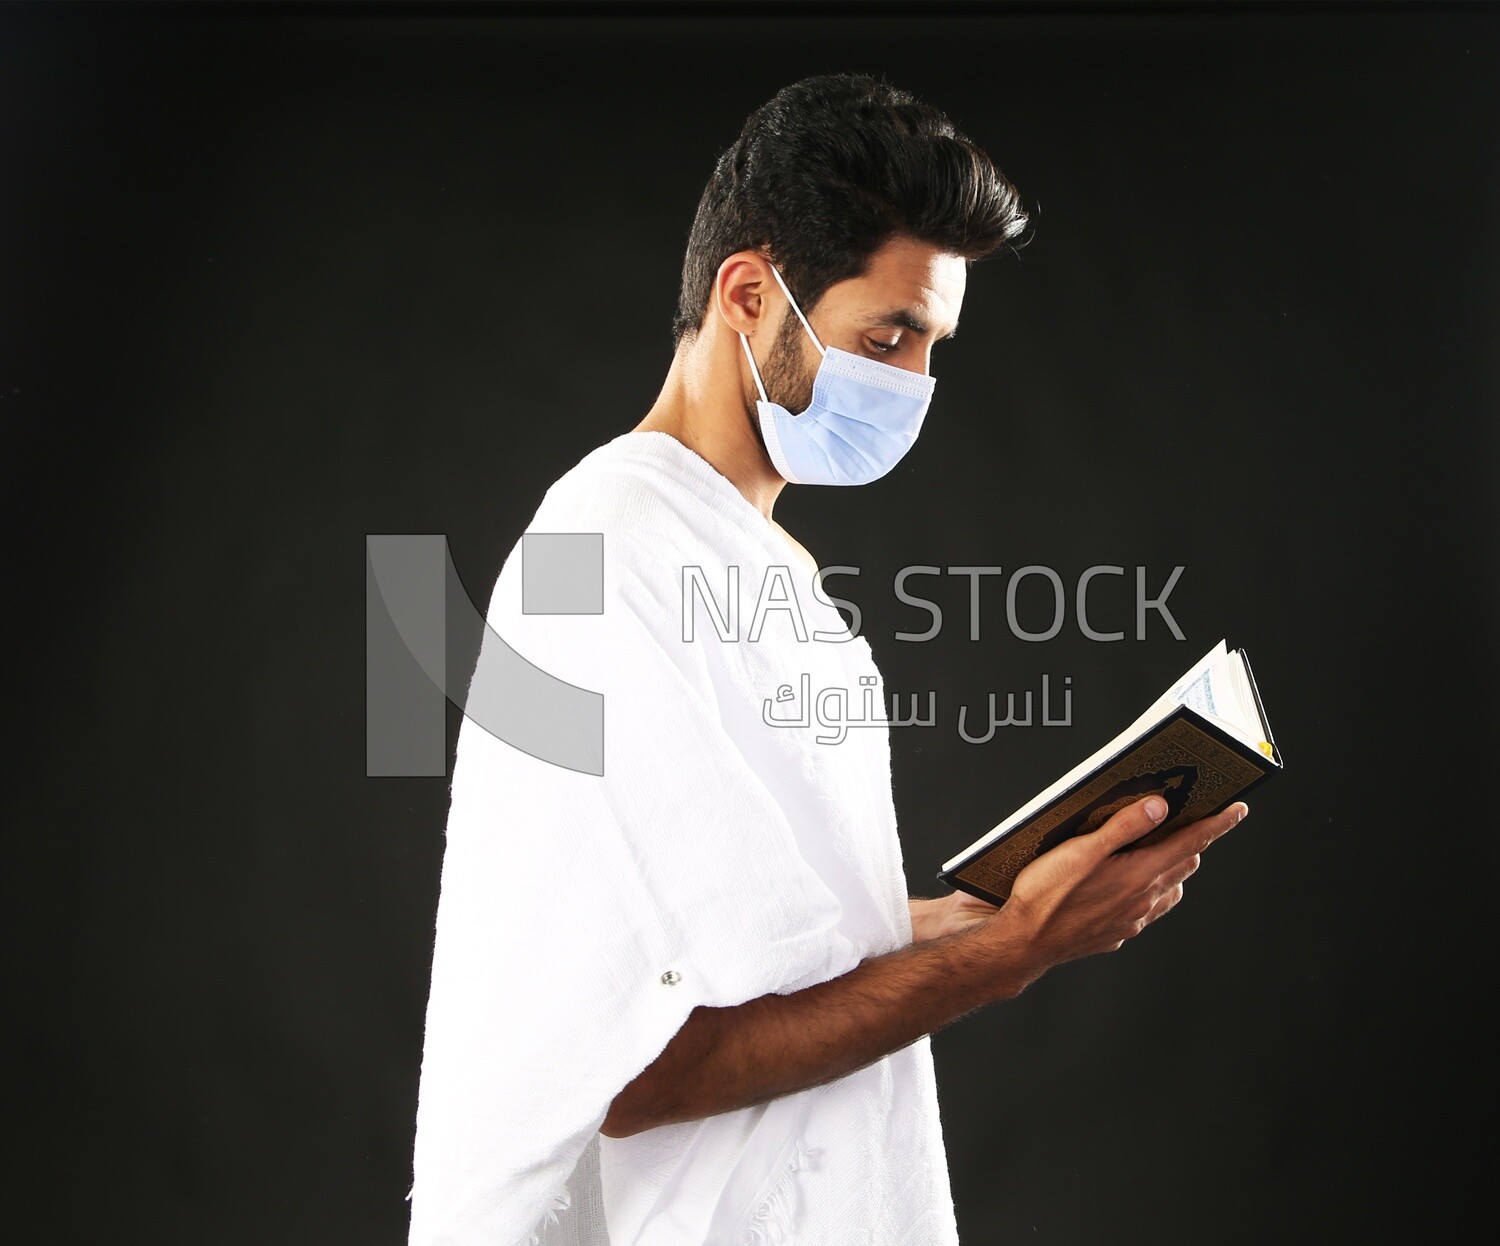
x,y
883,347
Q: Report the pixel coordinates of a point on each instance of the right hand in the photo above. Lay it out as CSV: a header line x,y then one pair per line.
x,y
1085,896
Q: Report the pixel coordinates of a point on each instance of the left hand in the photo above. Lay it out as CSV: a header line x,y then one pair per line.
x,y
930,919
965,910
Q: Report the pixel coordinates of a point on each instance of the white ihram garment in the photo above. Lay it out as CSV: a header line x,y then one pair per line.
x,y
736,858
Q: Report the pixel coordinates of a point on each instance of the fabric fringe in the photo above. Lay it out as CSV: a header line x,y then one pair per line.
x,y
560,1203
772,1221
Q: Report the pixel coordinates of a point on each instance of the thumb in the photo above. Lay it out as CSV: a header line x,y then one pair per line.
x,y
1130,824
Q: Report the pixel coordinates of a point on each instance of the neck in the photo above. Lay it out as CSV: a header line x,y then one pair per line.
x,y
703,405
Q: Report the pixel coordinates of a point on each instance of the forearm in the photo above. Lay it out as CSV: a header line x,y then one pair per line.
x,y
1083,897
728,1058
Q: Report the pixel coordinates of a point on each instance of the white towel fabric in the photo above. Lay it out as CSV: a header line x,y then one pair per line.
x,y
744,858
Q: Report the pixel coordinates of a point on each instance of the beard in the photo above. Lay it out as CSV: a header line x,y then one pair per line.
x,y
788,376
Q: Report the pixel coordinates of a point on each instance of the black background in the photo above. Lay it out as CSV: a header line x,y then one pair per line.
x,y
275,279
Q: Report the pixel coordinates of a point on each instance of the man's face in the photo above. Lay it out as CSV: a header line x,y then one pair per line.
x,y
908,298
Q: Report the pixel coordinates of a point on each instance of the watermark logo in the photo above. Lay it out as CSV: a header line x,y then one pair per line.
x,y
776,593
832,711
414,603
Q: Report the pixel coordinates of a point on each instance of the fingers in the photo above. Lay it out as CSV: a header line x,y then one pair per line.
x,y
1165,903
1193,838
1181,872
1169,882
1130,823
1204,831
1089,896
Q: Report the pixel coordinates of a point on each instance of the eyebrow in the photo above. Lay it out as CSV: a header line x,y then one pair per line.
x,y
901,318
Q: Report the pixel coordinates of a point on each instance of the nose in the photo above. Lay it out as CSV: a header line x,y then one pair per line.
x,y
922,367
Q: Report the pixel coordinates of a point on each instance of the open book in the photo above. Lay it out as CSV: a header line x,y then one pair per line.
x,y
1202,745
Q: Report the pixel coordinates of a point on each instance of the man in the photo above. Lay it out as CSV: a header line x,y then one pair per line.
x,y
688,1000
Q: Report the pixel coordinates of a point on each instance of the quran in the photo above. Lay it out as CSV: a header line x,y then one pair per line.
x,y
1200,746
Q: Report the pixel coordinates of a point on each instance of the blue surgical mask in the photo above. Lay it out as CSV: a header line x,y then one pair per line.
x,y
863,418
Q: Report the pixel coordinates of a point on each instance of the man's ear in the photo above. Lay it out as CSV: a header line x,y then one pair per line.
x,y
737,291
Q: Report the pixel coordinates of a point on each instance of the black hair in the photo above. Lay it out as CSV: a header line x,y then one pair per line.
x,y
825,173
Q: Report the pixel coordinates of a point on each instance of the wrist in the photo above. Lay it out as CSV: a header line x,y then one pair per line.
x,y
1006,944
929,918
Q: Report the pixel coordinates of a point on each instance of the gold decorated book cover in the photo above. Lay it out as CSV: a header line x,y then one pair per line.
x,y
1202,745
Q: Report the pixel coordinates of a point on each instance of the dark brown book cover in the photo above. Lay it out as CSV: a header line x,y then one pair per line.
x,y
1196,766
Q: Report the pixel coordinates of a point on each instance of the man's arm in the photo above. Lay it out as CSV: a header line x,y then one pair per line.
x,y
1080,898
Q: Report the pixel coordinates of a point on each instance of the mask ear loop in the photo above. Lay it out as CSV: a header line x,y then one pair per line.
x,y
822,350
754,371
